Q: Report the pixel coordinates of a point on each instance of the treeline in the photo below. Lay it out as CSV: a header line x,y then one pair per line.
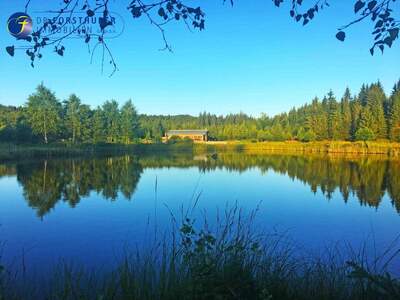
x,y
45,119
368,115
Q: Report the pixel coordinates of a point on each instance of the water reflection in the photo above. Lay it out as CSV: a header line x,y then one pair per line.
x,y
46,182
49,181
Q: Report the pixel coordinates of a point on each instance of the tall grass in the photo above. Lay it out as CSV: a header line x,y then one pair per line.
x,y
228,260
11,151
340,147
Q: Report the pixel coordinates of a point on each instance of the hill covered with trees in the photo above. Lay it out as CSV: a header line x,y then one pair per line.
x,y
368,115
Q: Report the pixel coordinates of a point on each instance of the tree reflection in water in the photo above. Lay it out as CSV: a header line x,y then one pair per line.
x,y
46,182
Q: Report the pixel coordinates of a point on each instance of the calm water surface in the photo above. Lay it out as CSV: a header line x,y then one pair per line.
x,y
92,210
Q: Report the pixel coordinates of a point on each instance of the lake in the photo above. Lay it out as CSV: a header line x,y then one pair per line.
x,y
91,210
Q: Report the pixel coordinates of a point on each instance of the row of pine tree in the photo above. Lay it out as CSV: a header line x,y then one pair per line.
x,y
368,115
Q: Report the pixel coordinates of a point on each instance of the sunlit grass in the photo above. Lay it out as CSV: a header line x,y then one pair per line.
x,y
12,152
322,147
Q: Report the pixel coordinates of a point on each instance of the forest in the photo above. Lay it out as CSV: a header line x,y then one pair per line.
x,y
367,115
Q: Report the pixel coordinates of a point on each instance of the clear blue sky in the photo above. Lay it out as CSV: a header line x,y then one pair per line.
x,y
251,58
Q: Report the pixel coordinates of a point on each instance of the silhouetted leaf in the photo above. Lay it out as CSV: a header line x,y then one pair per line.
x,y
311,13
341,35
388,41
103,23
379,24
394,33
372,4
10,50
161,12
359,5
136,12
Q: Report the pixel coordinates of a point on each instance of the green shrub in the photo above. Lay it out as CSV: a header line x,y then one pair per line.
x,y
365,134
306,135
174,139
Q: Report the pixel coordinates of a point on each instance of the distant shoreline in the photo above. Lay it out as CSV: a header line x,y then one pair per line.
x,y
12,151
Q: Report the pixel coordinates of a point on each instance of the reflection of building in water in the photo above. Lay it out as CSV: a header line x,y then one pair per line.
x,y
45,182
195,135
200,158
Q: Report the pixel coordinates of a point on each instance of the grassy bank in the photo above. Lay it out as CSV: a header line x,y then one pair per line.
x,y
11,151
28,151
233,260
384,148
